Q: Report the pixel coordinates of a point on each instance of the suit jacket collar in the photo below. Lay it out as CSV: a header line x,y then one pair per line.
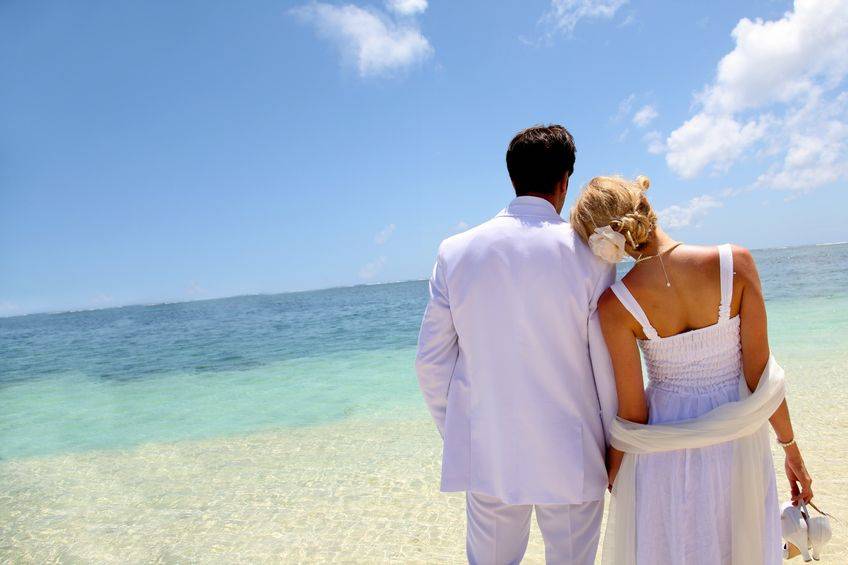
x,y
531,206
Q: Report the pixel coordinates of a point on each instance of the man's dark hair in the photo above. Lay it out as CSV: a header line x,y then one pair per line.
x,y
538,157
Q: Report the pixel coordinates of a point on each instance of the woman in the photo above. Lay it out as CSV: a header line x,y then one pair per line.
x,y
697,315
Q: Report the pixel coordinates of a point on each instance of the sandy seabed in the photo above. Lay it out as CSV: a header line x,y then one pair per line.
x,y
353,491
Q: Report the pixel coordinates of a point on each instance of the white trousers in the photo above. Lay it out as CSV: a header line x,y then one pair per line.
x,y
497,533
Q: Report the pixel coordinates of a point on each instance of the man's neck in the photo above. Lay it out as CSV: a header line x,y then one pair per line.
x,y
549,197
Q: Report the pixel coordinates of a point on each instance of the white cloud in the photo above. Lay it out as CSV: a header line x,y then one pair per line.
x,y
563,15
460,226
372,42
384,234
731,191
407,7
629,20
641,118
624,108
815,144
102,300
372,269
677,216
778,96
709,140
195,290
645,116
655,142
777,61
8,308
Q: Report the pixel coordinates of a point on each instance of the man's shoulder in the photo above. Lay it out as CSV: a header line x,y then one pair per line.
x,y
583,254
504,227
459,241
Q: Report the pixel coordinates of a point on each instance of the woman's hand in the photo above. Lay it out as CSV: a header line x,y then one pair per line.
x,y
797,474
612,474
614,458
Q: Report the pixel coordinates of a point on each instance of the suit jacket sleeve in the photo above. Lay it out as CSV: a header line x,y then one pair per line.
x,y
438,348
601,363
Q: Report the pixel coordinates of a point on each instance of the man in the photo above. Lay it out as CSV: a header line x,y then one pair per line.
x,y
514,370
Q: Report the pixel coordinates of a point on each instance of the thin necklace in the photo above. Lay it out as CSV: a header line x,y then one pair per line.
x,y
660,254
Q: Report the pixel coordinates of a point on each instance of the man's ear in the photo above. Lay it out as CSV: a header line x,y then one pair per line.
x,y
565,183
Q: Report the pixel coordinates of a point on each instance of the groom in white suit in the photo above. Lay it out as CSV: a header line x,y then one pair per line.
x,y
514,368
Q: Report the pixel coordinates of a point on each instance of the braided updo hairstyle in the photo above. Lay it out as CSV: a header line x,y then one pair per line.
x,y
618,203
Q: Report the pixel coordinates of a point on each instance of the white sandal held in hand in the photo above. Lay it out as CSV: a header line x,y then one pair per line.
x,y
793,527
818,531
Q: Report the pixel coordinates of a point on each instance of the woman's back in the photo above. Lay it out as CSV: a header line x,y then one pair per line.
x,y
691,301
698,348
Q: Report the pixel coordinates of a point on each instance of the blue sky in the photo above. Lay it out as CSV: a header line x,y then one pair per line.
x,y
160,151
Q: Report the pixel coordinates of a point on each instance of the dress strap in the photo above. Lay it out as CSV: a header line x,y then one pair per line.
x,y
725,256
628,301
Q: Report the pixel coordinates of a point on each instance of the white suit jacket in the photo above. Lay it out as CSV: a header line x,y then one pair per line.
x,y
512,362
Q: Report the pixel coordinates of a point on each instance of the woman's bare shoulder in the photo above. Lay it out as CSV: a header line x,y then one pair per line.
x,y
612,312
744,265
699,255
609,305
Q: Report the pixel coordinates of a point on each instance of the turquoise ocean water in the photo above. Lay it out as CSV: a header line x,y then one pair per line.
x,y
121,377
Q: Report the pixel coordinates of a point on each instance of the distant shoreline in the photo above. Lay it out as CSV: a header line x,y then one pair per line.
x,y
324,289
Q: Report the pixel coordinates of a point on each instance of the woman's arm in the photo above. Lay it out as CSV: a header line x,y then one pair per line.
x,y
619,330
755,356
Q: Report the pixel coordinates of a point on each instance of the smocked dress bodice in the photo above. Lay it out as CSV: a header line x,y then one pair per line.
x,y
695,361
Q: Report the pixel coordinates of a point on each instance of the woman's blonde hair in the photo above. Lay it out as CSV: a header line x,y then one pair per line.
x,y
618,203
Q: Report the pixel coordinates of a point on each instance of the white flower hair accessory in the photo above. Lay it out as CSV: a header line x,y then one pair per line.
x,y
607,244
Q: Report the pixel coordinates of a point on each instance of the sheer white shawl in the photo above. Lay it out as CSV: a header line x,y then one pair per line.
x,y
744,423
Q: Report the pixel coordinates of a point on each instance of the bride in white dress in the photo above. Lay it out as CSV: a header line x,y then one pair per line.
x,y
698,316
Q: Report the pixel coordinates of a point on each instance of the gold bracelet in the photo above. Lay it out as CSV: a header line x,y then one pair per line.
x,y
786,444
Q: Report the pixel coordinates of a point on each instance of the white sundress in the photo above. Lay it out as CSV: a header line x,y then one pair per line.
x,y
683,502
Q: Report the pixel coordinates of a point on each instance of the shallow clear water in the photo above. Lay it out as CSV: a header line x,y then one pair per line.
x,y
119,377
290,427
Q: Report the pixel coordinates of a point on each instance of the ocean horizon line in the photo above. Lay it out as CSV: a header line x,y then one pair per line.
x,y
302,291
